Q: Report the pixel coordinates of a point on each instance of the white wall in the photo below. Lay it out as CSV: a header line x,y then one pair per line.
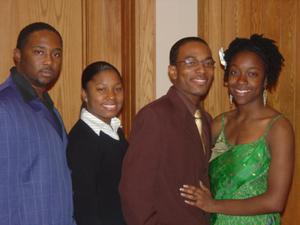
x,y
175,19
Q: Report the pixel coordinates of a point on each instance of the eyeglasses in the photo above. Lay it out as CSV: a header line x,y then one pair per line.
x,y
193,62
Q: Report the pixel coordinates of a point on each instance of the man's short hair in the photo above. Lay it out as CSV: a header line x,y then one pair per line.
x,y
31,28
175,48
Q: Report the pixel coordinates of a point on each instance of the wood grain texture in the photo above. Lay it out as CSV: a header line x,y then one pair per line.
x,y
145,52
210,28
128,62
103,31
122,33
288,99
92,30
220,22
65,16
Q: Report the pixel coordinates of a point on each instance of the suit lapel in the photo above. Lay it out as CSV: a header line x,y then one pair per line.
x,y
37,106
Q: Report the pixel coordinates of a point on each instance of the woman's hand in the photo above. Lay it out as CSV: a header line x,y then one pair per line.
x,y
198,196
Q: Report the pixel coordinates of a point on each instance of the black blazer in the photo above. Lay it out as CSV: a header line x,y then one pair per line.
x,y
95,162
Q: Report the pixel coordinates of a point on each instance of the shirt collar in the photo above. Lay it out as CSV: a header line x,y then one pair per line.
x,y
98,125
190,106
27,91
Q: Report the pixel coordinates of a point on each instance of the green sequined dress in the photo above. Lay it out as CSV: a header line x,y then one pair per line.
x,y
240,172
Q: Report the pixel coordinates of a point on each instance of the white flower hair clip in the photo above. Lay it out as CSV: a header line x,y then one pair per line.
x,y
221,56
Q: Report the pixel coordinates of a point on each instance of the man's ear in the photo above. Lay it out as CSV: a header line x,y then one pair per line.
x,y
172,72
17,56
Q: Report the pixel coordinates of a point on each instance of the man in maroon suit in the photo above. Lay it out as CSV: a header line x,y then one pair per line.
x,y
166,150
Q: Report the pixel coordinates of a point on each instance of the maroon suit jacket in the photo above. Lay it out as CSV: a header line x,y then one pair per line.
x,y
165,152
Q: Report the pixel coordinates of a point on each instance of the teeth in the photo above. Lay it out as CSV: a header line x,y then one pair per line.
x,y
242,91
200,81
110,107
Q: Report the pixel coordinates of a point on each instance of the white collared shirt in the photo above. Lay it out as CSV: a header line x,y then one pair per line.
x,y
98,125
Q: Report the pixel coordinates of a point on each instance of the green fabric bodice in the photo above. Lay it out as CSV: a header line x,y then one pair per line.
x,y
240,172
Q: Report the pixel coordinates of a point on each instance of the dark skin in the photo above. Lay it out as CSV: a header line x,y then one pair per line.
x,y
40,60
104,95
247,80
193,81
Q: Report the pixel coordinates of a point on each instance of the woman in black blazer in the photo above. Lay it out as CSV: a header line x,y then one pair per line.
x,y
96,148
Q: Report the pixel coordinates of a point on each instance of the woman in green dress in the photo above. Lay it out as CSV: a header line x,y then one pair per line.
x,y
253,157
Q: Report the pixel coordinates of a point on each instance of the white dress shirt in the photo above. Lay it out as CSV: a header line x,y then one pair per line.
x,y
98,125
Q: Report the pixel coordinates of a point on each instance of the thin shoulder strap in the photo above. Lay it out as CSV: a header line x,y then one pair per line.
x,y
221,134
271,123
223,122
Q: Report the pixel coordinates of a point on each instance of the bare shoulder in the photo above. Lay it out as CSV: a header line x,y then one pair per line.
x,y
282,125
282,131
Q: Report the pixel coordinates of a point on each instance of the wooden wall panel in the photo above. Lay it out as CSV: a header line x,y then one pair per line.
x,y
292,211
8,39
288,99
66,17
210,28
103,31
66,93
221,21
145,52
92,30
122,32
128,61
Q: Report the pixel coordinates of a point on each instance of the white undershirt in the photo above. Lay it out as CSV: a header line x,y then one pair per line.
x,y
98,125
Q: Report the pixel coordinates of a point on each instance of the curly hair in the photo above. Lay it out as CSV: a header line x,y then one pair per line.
x,y
263,47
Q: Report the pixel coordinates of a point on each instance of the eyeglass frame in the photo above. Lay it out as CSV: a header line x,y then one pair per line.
x,y
195,62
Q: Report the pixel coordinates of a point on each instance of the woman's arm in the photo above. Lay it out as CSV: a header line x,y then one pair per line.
x,y
281,145
84,163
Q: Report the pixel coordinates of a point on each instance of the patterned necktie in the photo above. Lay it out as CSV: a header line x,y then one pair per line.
x,y
198,122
